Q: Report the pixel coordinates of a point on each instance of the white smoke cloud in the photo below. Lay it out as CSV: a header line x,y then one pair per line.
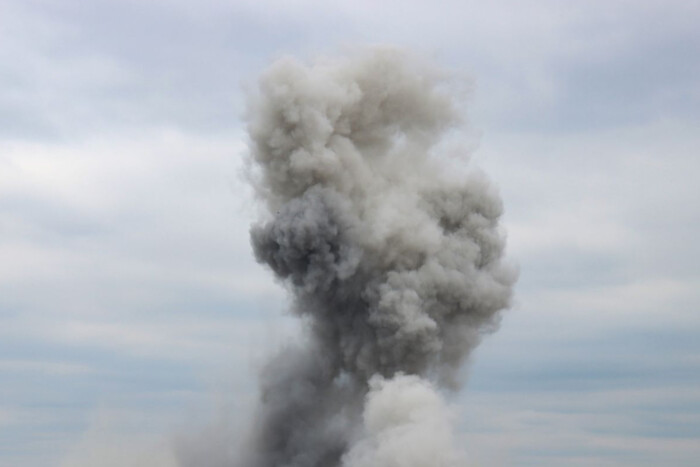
x,y
406,424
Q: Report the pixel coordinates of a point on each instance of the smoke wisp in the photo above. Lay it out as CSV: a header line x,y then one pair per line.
x,y
394,264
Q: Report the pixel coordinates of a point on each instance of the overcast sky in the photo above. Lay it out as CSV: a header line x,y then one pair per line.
x,y
132,315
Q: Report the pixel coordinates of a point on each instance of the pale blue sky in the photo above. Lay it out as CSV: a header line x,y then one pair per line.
x,y
133,317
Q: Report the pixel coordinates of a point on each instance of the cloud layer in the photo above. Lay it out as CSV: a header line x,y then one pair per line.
x,y
126,277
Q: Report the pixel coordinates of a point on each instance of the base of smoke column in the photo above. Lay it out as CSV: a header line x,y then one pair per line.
x,y
407,424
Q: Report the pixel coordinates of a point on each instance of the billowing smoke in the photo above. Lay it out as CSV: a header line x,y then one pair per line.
x,y
394,263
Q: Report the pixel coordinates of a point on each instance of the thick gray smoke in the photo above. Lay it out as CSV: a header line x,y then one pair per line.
x,y
394,264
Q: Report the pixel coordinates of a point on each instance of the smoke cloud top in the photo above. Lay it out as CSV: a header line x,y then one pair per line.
x,y
394,263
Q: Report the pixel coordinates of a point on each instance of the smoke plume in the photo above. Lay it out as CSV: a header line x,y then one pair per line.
x,y
394,264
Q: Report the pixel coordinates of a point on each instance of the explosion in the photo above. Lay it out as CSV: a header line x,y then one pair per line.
x,y
393,262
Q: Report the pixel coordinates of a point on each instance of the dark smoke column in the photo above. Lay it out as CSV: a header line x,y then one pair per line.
x,y
394,264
